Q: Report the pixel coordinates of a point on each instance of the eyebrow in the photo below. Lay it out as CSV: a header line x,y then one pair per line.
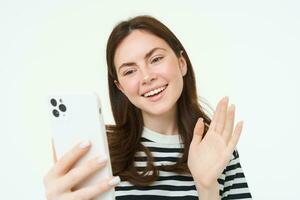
x,y
146,56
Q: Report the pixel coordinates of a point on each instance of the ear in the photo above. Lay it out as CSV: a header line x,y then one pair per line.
x,y
182,64
118,85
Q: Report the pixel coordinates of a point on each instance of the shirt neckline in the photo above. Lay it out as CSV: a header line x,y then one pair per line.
x,y
161,138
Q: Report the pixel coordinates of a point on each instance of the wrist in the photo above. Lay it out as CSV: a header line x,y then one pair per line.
x,y
208,192
207,186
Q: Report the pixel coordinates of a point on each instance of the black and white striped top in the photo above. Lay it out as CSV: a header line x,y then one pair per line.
x,y
166,149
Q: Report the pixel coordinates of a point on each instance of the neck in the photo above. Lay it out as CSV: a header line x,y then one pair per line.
x,y
164,123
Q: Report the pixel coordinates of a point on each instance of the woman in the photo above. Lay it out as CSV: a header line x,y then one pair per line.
x,y
163,145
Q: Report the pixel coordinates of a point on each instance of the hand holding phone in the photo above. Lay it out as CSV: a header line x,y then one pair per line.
x,y
63,176
74,118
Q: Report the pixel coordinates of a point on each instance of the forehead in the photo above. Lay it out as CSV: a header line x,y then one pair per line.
x,y
136,45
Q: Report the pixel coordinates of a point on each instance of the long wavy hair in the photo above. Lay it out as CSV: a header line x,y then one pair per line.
x,y
124,137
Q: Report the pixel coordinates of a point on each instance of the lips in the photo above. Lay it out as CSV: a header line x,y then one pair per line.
x,y
157,97
155,89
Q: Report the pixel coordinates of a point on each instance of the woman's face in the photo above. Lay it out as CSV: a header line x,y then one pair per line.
x,y
145,62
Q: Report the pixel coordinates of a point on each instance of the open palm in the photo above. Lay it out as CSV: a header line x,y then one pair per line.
x,y
208,156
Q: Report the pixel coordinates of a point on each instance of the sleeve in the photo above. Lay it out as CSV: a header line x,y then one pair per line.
x,y
233,184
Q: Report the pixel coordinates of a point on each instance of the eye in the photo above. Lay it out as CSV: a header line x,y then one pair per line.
x,y
157,59
128,72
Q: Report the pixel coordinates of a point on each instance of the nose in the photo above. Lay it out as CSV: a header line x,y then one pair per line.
x,y
148,77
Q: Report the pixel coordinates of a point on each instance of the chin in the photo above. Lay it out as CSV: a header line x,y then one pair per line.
x,y
158,110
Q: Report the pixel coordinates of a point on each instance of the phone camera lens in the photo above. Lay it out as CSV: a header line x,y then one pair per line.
x,y
53,102
62,107
55,113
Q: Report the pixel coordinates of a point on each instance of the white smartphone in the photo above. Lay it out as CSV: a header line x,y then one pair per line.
x,y
78,117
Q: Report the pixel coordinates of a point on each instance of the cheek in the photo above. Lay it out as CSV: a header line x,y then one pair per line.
x,y
171,71
130,87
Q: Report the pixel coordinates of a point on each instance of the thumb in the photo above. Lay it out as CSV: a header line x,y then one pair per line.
x,y
53,152
198,130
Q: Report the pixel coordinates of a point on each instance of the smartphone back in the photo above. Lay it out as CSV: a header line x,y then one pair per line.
x,y
75,118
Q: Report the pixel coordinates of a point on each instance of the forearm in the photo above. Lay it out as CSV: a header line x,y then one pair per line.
x,y
208,193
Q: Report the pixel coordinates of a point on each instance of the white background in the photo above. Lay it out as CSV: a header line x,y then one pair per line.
x,y
248,50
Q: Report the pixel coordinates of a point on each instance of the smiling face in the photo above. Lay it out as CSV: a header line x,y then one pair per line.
x,y
145,62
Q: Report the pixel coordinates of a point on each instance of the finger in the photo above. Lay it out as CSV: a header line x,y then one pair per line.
x,y
198,131
53,152
235,137
65,163
214,120
78,174
220,123
229,123
96,190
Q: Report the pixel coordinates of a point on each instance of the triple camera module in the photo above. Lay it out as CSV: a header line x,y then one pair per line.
x,y
59,107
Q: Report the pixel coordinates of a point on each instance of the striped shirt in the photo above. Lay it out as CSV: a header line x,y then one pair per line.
x,y
166,149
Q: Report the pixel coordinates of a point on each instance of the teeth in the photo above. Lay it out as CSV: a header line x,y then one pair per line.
x,y
154,91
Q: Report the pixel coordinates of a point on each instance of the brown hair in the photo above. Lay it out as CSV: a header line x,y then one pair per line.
x,y
124,137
